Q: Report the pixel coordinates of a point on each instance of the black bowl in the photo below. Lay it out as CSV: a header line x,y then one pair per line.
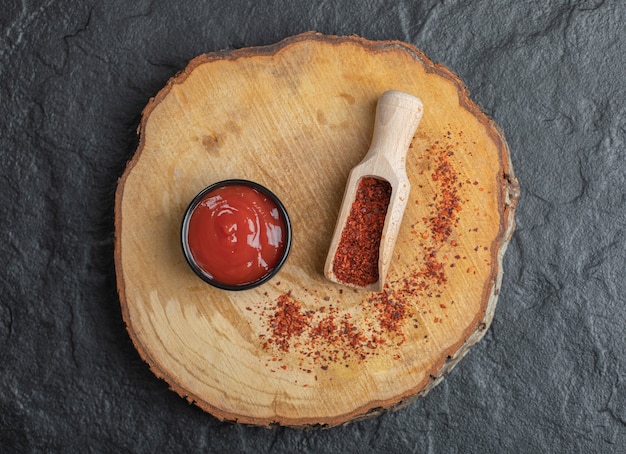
x,y
185,228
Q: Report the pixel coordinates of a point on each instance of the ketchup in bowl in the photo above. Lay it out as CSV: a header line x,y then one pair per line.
x,y
236,234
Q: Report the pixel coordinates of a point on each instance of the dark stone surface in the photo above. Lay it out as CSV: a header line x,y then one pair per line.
x,y
550,375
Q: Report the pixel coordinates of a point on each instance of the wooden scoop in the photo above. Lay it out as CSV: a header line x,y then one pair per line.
x,y
397,116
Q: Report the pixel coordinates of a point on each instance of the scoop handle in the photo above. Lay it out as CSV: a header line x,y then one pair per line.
x,y
397,116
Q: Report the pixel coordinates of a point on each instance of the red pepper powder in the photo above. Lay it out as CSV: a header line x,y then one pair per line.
x,y
356,259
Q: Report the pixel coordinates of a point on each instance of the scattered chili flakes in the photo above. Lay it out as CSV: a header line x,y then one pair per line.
x,y
391,311
444,214
331,335
288,321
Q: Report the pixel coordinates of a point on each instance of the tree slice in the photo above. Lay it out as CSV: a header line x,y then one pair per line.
x,y
296,117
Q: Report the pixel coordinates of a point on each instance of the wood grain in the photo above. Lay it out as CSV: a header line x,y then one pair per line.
x,y
296,117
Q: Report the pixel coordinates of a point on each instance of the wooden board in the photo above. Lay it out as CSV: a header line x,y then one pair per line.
x,y
296,117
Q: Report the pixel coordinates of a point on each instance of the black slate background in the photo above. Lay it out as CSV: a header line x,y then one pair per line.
x,y
550,374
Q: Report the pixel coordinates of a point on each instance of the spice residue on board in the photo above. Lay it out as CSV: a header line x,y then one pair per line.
x,y
322,333
329,334
356,259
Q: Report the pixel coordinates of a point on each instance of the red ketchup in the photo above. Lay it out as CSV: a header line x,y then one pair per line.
x,y
236,234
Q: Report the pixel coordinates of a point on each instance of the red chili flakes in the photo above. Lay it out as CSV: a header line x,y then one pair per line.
x,y
356,259
351,334
447,200
322,337
288,321
433,270
444,213
391,312
329,334
325,329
